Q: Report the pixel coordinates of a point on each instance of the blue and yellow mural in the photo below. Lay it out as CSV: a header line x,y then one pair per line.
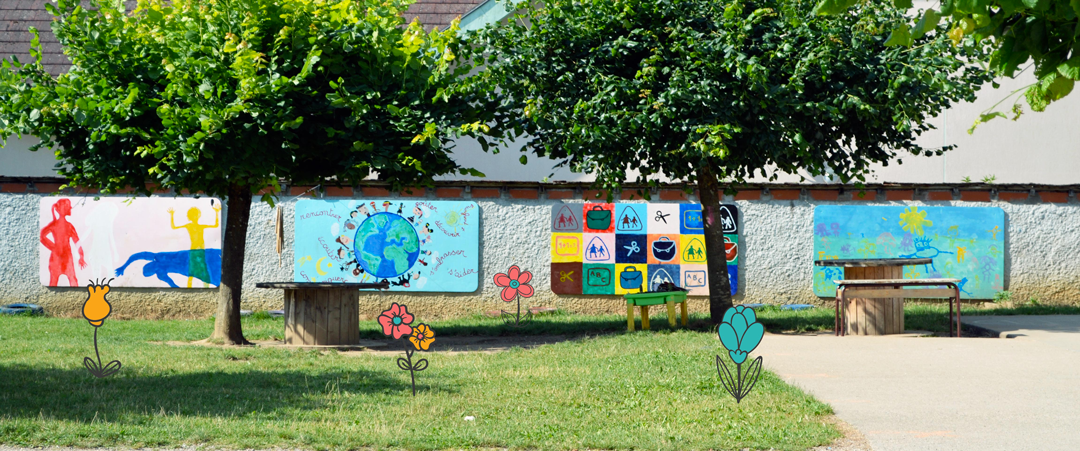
x,y
414,245
966,243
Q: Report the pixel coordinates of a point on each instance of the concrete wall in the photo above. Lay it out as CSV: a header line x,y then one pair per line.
x,y
1042,240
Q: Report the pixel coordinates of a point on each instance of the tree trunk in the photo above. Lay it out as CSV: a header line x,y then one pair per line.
x,y
227,321
719,285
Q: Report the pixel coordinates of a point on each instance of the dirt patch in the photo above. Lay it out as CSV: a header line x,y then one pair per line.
x,y
853,440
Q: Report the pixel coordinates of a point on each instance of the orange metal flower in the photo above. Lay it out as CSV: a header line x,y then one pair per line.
x,y
96,308
422,337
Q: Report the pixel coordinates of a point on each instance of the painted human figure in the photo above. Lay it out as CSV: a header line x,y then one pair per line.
x,y
197,257
61,261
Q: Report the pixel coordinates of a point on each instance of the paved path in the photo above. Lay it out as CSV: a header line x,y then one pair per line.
x,y
910,393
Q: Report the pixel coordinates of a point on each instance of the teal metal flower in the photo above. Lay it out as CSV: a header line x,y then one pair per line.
x,y
740,332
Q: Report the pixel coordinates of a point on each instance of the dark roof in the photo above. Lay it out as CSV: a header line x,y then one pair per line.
x,y
17,16
438,13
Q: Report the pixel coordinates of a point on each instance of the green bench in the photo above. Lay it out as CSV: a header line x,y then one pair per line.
x,y
644,300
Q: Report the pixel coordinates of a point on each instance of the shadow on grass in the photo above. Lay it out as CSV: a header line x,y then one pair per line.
x,y
75,395
547,324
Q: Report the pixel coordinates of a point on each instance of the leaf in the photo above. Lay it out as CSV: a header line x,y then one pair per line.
x,y
832,7
927,23
420,365
1060,87
403,364
903,4
1070,68
524,159
900,36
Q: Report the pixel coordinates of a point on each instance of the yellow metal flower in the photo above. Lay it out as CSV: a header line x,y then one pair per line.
x,y
914,220
96,308
422,337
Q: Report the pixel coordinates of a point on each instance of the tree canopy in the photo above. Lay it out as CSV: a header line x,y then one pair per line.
x,y
227,97
1044,32
709,92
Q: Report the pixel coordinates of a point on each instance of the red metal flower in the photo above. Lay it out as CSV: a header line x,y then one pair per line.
x,y
516,282
396,321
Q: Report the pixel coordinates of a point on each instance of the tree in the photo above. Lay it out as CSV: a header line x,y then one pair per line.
x,y
713,92
1041,31
226,97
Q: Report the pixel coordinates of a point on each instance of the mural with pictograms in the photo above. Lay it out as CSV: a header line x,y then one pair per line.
x,y
619,248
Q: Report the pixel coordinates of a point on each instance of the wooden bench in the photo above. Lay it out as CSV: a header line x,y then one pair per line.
x,y
322,314
868,290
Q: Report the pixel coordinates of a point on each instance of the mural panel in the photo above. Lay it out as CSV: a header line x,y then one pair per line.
x,y
138,242
604,248
966,243
414,245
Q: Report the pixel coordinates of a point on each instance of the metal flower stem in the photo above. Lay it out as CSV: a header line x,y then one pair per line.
x,y
412,369
517,317
97,369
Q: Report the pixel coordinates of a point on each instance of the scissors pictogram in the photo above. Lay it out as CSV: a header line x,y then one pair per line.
x,y
564,276
633,247
660,216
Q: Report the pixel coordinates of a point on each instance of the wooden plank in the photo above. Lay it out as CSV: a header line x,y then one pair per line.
x,y
290,318
333,317
872,262
916,293
354,317
910,282
875,322
322,298
308,305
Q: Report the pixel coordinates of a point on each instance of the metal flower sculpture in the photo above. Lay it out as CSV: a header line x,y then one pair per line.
x,y
396,323
515,283
95,310
740,333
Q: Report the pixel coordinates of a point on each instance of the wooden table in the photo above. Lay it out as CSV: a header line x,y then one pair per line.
x,y
874,316
644,300
320,314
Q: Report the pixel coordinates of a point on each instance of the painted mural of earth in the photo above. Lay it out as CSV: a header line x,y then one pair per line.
x,y
386,245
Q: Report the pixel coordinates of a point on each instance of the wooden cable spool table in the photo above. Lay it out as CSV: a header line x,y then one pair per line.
x,y
873,316
322,314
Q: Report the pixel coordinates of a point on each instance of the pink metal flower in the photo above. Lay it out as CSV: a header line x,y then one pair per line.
x,y
516,282
396,321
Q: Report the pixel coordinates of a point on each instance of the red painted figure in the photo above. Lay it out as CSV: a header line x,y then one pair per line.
x,y
60,259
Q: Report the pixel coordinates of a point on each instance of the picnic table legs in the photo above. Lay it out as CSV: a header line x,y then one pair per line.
x,y
683,313
671,313
629,317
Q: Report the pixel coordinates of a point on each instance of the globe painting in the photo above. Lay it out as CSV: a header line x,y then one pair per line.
x,y
414,245
386,245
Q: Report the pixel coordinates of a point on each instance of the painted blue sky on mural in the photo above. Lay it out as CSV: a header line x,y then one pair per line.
x,y
966,243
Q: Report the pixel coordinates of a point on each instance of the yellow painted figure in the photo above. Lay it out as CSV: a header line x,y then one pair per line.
x,y
197,258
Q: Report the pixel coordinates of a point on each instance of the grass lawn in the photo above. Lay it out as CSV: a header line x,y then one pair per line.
x,y
645,390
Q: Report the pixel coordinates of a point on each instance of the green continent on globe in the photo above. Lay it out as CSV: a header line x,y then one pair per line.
x,y
399,257
402,234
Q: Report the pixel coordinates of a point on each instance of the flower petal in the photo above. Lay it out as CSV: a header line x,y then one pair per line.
x,y
728,315
750,315
525,277
738,322
502,280
415,341
508,294
526,291
406,317
426,343
737,356
728,337
752,337
385,322
402,330
395,310
513,272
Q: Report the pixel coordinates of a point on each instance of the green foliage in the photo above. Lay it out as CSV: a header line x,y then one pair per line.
x,y
207,95
668,87
1044,32
1002,296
